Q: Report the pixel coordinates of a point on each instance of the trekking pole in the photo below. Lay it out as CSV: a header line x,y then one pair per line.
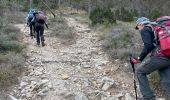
x,y
134,81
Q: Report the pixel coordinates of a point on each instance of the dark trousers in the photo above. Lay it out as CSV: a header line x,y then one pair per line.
x,y
162,65
40,32
32,29
32,26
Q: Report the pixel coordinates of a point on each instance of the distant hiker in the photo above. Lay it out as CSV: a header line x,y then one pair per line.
x,y
39,20
31,25
158,60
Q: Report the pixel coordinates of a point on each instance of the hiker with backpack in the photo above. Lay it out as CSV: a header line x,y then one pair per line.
x,y
39,20
31,25
155,37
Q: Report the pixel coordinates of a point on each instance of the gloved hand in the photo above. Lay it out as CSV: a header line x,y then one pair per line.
x,y
135,60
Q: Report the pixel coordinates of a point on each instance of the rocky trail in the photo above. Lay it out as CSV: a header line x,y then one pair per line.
x,y
80,71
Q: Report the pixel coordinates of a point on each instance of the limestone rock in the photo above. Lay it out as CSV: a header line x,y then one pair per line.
x,y
80,96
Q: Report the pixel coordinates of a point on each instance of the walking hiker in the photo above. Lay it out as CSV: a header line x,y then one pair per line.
x,y
39,20
31,25
157,61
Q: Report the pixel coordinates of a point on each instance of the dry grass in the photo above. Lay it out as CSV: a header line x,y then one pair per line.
x,y
71,11
61,30
11,56
11,67
119,39
11,48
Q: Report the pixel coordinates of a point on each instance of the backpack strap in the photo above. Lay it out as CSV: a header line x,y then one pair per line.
x,y
151,24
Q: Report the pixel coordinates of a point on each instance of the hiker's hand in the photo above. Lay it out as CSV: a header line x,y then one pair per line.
x,y
135,60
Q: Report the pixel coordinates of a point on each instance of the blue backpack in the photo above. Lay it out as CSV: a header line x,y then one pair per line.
x,y
31,13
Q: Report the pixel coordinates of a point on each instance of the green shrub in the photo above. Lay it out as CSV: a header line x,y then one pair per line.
x,y
117,42
96,16
124,15
101,16
154,14
121,41
135,13
9,39
11,46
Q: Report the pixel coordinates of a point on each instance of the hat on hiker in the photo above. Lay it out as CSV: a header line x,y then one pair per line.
x,y
141,20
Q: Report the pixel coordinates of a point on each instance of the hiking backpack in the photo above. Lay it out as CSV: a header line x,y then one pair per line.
x,y
31,13
162,33
40,17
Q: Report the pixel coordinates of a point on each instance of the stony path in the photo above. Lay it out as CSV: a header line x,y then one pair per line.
x,y
81,71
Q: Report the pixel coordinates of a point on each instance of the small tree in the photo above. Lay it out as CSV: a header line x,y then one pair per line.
x,y
100,16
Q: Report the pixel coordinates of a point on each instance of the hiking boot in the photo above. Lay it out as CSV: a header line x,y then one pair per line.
x,y
34,35
38,44
43,44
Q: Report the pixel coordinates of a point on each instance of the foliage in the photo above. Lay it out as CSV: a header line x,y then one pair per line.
x,y
101,16
117,41
11,47
124,15
9,39
121,41
11,67
61,30
154,14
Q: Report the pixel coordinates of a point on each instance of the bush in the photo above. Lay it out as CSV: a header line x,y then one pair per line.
x,y
101,16
11,67
116,43
154,14
124,15
135,13
61,30
121,41
9,39
11,55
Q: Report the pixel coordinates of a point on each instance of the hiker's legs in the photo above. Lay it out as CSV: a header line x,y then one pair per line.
x,y
42,35
165,79
31,27
34,33
38,35
146,68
